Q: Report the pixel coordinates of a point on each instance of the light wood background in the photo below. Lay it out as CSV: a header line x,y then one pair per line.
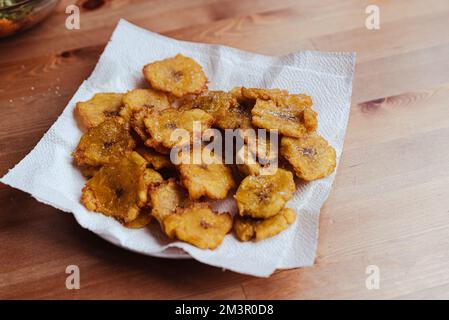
x,y
390,203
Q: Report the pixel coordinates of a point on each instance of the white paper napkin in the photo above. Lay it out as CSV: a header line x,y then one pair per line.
x,y
47,172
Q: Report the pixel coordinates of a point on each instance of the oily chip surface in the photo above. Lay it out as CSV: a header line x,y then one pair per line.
x,y
100,107
212,179
137,99
118,189
165,198
101,144
162,124
236,117
179,75
247,229
197,224
263,196
215,103
287,118
311,156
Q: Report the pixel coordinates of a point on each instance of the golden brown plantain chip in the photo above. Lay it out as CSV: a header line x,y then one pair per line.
x,y
311,156
165,198
261,145
137,99
247,229
162,124
215,103
103,143
287,118
263,196
198,225
100,107
179,75
155,159
210,178
119,189
248,164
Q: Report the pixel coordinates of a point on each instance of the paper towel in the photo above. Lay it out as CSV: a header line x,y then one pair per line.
x,y
47,172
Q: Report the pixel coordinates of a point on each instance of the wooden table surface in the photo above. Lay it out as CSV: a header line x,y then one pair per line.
x,y
389,206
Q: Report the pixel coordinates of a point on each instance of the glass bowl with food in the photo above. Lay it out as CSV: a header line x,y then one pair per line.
x,y
18,15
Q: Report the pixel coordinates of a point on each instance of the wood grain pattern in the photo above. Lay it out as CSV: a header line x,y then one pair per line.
x,y
389,205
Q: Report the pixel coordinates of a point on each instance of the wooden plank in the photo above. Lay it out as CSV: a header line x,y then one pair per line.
x,y
388,206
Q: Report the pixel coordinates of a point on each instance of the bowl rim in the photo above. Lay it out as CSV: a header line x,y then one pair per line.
x,y
18,4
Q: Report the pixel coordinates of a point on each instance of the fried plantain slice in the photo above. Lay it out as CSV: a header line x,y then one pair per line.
x,y
215,103
165,198
137,99
236,117
260,145
155,159
100,107
247,229
119,189
88,171
288,118
311,156
248,164
162,124
179,75
143,219
210,178
103,143
263,196
198,225
264,94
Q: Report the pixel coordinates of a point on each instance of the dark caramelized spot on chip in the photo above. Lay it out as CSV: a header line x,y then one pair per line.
x,y
177,75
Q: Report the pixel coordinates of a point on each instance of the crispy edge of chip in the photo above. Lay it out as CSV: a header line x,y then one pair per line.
x,y
158,212
264,94
247,229
113,105
292,126
198,189
289,151
196,240
154,99
251,184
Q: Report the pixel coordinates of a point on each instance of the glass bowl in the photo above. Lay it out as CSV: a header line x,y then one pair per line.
x,y
18,15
